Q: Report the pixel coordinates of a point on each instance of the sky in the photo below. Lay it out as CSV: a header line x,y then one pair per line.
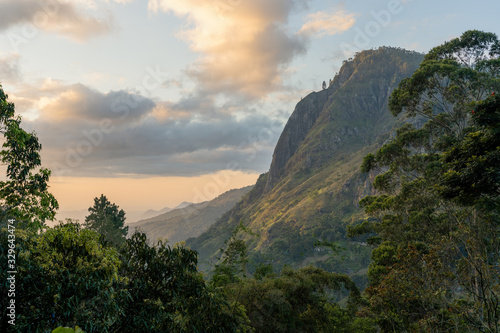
x,y
156,102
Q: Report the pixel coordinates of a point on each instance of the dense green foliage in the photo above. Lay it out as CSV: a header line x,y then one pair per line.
x,y
67,277
472,175
24,195
436,264
167,294
107,219
304,300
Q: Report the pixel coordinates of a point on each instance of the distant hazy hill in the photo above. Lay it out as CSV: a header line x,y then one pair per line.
x,y
188,220
183,204
152,213
313,187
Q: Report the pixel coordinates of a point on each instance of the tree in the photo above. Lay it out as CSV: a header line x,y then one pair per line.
x,y
24,194
472,175
65,277
106,219
436,218
232,264
299,301
293,301
471,178
167,294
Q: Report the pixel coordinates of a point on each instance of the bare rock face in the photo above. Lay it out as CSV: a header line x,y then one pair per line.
x,y
301,121
298,126
354,106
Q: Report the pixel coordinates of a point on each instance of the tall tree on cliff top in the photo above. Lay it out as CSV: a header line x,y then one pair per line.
x,y
24,194
436,264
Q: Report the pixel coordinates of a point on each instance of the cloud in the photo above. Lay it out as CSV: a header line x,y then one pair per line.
x,y
327,23
62,17
244,53
94,4
9,68
244,46
80,103
86,133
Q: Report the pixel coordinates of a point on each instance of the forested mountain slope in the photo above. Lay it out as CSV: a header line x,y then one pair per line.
x,y
314,184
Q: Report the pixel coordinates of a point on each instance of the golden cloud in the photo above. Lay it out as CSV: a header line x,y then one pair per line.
x,y
244,45
327,23
66,18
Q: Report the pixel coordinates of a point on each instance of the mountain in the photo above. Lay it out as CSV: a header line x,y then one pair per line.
x,y
183,205
80,215
188,220
314,183
152,213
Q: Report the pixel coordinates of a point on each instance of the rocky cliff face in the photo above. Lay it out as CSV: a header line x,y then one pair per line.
x,y
314,184
298,126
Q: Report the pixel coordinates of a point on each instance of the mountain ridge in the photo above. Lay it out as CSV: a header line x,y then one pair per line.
x,y
188,219
313,186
